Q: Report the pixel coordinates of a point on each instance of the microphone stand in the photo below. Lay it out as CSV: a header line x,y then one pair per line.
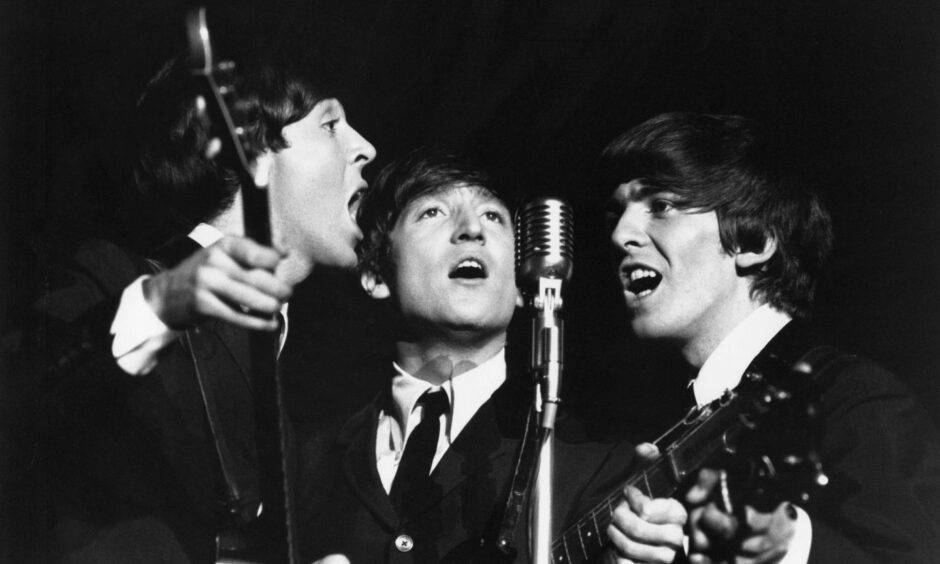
x,y
546,364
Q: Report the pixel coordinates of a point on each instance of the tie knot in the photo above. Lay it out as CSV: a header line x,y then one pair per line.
x,y
435,404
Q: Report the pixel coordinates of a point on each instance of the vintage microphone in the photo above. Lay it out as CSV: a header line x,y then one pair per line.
x,y
544,262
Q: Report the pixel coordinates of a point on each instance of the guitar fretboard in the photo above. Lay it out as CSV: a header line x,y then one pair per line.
x,y
583,540
707,436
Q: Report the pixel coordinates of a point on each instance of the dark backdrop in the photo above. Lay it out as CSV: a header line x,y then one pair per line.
x,y
534,89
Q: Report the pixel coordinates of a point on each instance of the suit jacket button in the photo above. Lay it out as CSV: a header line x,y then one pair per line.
x,y
404,543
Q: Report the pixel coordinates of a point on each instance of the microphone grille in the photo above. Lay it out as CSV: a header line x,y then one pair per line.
x,y
545,240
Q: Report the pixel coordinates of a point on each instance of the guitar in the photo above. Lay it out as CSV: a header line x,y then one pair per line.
x,y
265,534
778,463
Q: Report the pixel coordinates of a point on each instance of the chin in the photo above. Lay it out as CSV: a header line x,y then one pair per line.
x,y
344,258
648,329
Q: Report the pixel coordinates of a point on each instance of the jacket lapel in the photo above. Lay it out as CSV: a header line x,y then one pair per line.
x,y
357,439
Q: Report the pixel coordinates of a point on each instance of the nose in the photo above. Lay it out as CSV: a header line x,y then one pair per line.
x,y
360,150
469,228
628,232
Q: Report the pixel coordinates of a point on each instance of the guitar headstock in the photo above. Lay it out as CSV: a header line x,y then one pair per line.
x,y
221,86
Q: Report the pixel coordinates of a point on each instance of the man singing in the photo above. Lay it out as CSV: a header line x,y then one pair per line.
x,y
718,246
146,422
423,473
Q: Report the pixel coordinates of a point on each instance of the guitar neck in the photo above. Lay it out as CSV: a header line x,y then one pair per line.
x,y
705,437
585,539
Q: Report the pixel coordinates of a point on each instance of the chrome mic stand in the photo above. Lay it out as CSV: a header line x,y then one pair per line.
x,y
546,364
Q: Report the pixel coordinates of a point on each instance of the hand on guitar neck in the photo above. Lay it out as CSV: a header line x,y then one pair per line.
x,y
233,280
643,529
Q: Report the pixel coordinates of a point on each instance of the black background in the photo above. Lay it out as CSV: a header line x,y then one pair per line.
x,y
534,89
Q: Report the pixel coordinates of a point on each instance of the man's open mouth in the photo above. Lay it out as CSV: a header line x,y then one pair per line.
x,y
640,280
469,268
354,202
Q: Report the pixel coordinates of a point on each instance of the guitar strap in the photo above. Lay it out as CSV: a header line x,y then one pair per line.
x,y
523,471
819,362
240,503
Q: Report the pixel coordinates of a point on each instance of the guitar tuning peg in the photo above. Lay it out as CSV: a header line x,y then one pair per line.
x,y
782,395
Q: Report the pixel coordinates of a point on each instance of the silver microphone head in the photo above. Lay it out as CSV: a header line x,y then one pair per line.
x,y
544,242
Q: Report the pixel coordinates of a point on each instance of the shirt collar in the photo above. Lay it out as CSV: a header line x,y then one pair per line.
x,y
726,365
205,234
466,392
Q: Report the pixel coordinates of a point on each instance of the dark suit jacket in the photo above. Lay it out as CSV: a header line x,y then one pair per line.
x,y
128,466
882,455
345,509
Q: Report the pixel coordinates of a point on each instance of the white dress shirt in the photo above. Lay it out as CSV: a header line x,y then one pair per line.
x,y
723,371
465,392
139,335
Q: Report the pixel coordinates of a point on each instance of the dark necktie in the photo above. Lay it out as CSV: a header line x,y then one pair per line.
x,y
415,465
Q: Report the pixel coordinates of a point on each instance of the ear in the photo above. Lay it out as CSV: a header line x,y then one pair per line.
x,y
520,301
263,164
755,259
373,284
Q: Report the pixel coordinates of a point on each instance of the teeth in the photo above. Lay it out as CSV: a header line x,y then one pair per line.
x,y
469,268
642,281
642,273
469,263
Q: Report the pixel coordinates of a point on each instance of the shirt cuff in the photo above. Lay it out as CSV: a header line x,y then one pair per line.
x,y
139,335
798,552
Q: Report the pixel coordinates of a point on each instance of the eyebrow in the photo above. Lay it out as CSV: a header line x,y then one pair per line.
x,y
643,192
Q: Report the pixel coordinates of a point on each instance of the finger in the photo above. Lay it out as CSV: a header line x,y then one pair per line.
x,y
758,521
218,259
755,545
237,293
333,559
636,551
702,489
634,518
698,540
716,522
263,281
250,254
659,511
699,559
211,306
646,452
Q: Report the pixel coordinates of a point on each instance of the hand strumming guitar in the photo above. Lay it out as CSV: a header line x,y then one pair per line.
x,y
718,536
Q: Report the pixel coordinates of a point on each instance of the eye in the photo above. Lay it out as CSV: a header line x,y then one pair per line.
x,y
331,125
495,216
661,206
429,213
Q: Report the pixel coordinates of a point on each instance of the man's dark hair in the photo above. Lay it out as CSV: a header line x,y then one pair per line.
x,y
729,164
170,135
423,171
